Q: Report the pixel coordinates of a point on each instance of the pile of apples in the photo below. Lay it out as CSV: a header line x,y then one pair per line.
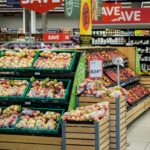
x,y
93,112
20,59
49,59
94,88
105,55
10,87
125,74
38,120
9,116
136,93
47,89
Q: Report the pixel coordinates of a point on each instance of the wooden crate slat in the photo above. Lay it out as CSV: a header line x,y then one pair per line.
x,y
103,127
80,142
79,125
113,140
104,132
79,136
104,120
73,147
79,130
30,139
104,138
23,146
102,146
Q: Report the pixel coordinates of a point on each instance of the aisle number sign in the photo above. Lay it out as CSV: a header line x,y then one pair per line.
x,y
85,18
40,6
95,68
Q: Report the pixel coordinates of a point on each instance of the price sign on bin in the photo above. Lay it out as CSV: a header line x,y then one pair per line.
x,y
95,67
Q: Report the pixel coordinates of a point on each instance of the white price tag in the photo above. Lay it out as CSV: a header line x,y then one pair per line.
x,y
37,73
95,68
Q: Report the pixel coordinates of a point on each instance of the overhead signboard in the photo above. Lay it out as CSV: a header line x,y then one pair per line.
x,y
113,13
40,6
13,3
85,18
72,9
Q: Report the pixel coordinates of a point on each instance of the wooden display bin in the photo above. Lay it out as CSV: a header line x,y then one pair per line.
x,y
86,136
22,142
118,126
137,110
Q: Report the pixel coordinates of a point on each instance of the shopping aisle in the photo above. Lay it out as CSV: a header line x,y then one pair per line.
x,y
139,133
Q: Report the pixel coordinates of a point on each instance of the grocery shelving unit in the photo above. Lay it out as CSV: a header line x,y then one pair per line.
x,y
18,140
126,37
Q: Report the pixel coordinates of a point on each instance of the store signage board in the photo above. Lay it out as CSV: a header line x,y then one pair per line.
x,y
96,10
56,37
72,9
95,67
40,6
13,3
85,18
113,13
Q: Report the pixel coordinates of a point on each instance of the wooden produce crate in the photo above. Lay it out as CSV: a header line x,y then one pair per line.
x,y
86,136
118,126
22,142
137,110
145,81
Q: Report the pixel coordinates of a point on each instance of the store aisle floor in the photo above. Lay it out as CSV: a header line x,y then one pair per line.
x,y
139,133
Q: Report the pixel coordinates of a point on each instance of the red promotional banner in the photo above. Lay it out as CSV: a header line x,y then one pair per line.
x,y
40,6
113,13
54,37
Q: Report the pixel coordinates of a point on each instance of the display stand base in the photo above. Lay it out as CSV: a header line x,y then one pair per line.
x,y
85,136
137,110
23,142
118,129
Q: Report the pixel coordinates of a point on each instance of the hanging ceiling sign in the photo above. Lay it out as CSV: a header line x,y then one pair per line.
x,y
113,13
40,6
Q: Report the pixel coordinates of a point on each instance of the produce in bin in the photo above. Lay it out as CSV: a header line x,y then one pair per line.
x,y
47,89
38,120
93,112
9,116
55,60
106,55
125,74
15,59
12,87
95,88
136,93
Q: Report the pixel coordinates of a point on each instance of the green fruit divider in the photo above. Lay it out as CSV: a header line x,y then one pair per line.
x,y
71,68
41,131
67,86
21,97
18,69
13,128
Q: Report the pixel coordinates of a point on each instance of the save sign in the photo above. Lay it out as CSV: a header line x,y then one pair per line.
x,y
40,6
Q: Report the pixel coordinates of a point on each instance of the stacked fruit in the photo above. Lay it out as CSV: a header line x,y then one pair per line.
x,y
13,59
105,55
9,87
125,74
50,59
93,112
136,93
95,88
47,89
9,116
38,120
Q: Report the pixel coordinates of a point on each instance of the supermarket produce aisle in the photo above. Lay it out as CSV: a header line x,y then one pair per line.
x,y
139,133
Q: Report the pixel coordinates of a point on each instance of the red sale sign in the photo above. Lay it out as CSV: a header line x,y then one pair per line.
x,y
56,37
113,13
40,6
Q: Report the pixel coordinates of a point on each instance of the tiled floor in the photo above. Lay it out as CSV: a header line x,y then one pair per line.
x,y
139,133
